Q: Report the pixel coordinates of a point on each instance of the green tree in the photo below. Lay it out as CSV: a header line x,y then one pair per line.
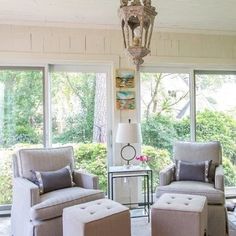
x,y
22,107
158,98
213,125
159,131
73,101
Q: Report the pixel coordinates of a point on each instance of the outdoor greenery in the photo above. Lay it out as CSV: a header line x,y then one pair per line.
x,y
92,158
6,178
73,97
73,121
161,131
158,159
21,117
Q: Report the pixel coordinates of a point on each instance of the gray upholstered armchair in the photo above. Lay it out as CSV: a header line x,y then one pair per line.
x,y
214,191
35,214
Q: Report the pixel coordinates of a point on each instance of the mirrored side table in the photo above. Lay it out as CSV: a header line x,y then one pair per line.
x,y
134,171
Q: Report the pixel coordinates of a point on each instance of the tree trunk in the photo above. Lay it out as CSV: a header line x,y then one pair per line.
x,y
9,113
100,110
154,95
1,111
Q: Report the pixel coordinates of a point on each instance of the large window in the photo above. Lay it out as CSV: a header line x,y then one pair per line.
x,y
76,114
21,119
168,114
216,115
79,118
79,107
165,115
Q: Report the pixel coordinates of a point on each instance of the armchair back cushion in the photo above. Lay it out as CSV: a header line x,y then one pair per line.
x,y
49,159
195,152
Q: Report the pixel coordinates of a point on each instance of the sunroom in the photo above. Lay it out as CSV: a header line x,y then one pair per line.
x,y
66,80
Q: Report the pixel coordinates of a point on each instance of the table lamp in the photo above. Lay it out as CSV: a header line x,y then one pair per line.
x,y
128,133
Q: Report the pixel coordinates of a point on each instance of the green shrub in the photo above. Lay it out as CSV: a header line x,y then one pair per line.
x,y
159,131
93,158
212,125
159,159
6,178
230,172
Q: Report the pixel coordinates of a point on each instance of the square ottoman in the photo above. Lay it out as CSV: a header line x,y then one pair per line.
x,y
102,217
179,214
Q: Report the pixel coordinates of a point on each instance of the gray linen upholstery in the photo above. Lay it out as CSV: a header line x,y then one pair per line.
x,y
219,178
39,215
102,217
53,203
195,152
213,195
85,180
44,160
15,166
179,214
167,175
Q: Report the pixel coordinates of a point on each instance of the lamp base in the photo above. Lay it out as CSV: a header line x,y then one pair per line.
x,y
128,157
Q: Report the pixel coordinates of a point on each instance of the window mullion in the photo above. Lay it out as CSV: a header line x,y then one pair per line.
x,y
47,108
192,89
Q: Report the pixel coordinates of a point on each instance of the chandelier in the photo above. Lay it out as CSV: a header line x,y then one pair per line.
x,y
137,19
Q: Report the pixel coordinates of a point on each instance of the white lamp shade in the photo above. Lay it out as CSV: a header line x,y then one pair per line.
x,y
128,133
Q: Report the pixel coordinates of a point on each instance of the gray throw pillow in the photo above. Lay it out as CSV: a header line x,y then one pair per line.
x,y
53,180
192,171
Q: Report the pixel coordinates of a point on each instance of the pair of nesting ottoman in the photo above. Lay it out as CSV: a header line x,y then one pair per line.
x,y
102,217
179,215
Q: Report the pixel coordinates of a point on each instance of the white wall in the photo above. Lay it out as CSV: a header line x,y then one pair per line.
x,y
69,43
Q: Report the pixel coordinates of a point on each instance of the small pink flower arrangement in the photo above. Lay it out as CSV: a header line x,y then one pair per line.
x,y
142,158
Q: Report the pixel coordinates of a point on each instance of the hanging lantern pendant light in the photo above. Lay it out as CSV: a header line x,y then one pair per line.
x,y
137,19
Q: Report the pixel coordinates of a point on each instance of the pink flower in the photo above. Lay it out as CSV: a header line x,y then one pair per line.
x,y
142,158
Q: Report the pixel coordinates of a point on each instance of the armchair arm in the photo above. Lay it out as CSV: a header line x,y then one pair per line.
x,y
219,178
85,180
166,175
25,192
25,195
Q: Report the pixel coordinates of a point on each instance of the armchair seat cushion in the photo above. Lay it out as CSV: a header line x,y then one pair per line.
x,y
52,203
214,196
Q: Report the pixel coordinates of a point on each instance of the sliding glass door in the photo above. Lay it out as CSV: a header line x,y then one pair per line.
x,y
165,115
216,115
205,111
21,119
79,117
76,111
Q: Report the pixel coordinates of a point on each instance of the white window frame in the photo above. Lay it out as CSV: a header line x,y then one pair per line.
x,y
179,70
84,68
106,67
192,70
5,209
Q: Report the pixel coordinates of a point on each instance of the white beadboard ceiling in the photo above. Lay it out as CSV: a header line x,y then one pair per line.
x,y
176,15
